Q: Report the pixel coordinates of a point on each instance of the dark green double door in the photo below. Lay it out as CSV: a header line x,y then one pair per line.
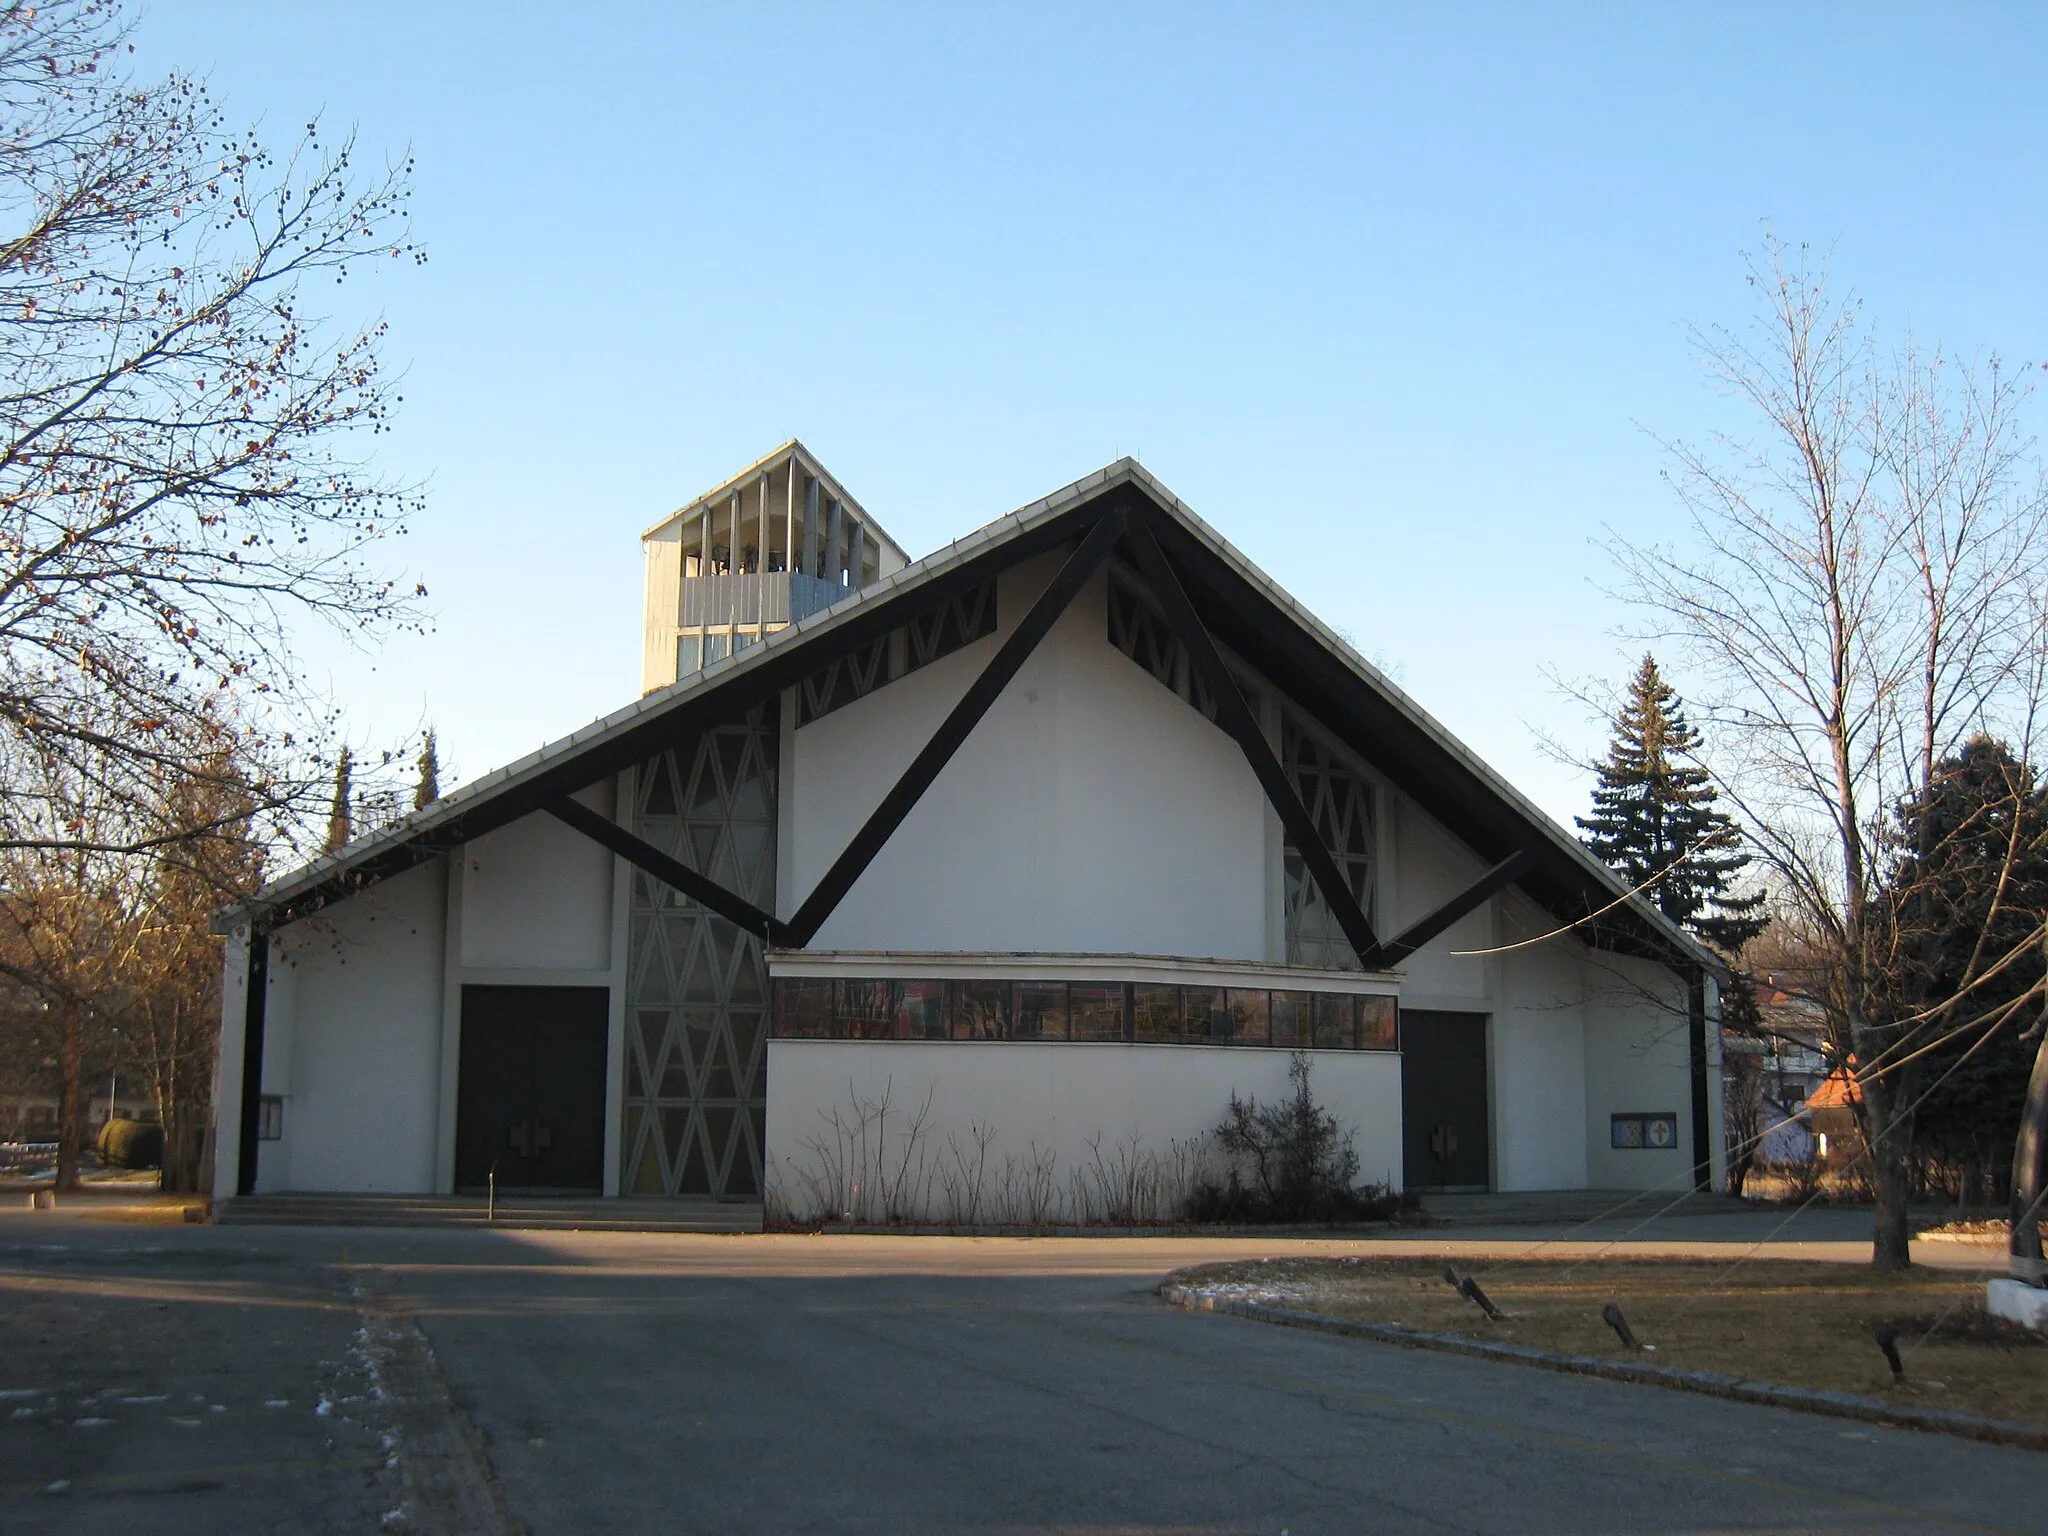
x,y
1444,1101
530,1096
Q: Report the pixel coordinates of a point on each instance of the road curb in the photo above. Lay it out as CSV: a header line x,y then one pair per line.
x,y
1840,1405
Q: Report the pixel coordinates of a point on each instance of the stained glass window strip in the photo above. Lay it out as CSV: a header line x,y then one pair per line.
x,y
1146,1013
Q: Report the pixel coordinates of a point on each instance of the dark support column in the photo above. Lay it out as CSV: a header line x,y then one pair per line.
x,y
1696,1039
252,1060
835,539
929,763
1235,716
700,888
1417,934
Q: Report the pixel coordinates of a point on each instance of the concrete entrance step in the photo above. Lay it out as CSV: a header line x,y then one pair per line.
x,y
514,1212
1527,1207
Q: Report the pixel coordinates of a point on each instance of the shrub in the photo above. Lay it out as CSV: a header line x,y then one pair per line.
x,y
131,1144
1292,1161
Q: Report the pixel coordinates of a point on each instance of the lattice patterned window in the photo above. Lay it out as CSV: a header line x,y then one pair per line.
x,y
842,680
1339,798
696,1093
960,621
1140,631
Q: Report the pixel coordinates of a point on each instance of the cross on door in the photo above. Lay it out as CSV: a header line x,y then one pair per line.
x,y
1443,1142
531,1137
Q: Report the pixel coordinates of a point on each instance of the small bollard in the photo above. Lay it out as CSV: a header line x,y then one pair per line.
x,y
43,1200
1611,1316
1468,1288
1888,1341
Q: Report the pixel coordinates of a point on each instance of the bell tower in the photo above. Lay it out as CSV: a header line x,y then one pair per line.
x,y
777,542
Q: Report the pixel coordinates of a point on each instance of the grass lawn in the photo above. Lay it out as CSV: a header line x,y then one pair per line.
x,y
1791,1324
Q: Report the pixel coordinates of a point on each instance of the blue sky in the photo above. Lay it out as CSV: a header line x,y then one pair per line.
x,y
1396,299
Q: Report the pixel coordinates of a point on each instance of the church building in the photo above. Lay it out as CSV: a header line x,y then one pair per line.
x,y
964,889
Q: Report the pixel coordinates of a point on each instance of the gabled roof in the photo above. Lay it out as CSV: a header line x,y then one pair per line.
x,y
774,459
1242,606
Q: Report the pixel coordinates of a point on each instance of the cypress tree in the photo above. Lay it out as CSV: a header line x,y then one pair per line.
x,y
341,815
429,788
1656,816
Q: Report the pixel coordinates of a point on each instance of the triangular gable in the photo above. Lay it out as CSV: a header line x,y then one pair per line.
x,y
1235,603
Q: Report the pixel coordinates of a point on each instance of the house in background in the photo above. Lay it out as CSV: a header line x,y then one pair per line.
x,y
1795,1068
972,885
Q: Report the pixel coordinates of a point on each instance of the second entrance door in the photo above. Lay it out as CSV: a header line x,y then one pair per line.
x,y
1444,1101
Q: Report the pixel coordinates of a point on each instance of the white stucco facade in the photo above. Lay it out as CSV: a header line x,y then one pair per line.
x,y
1086,792
1093,813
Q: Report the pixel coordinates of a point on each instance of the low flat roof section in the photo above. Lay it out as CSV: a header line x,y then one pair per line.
x,y
948,965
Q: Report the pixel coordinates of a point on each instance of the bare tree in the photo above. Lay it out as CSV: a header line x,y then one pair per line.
x,y
1859,597
68,927
170,1025
180,469
112,949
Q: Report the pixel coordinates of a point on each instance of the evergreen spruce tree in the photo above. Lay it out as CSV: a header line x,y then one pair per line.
x,y
1964,906
1656,816
429,789
341,816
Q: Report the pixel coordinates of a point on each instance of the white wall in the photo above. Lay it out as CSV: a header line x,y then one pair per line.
x,y
1041,1100
662,607
227,1067
1637,1060
352,1041
1430,866
537,894
1538,1054
1091,810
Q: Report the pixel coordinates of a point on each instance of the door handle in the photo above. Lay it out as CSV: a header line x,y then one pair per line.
x,y
531,1136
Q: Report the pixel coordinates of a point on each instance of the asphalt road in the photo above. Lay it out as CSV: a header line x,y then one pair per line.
x,y
573,1382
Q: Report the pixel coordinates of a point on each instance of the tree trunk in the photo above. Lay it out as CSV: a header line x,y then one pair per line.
x,y
70,1094
1889,1135
2030,1174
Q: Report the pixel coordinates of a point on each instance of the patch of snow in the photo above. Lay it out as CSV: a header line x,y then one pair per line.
x,y
277,1402
22,1413
6,1392
89,1423
186,1423
1263,1290
161,1397
58,1486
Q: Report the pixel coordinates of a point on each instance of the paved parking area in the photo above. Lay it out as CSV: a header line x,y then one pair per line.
x,y
251,1379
